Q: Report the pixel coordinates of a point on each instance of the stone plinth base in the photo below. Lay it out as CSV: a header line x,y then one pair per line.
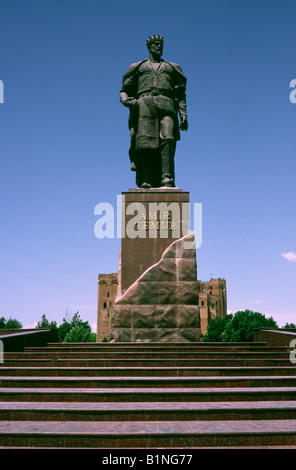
x,y
168,323
162,304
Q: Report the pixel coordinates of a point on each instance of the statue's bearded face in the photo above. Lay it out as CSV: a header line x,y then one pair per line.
x,y
156,48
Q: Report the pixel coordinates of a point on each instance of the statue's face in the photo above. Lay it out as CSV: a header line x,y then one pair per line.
x,y
156,48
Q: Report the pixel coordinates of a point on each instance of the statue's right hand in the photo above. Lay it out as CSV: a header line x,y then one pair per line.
x,y
130,102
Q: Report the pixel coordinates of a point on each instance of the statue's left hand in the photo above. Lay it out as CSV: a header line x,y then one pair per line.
x,y
184,124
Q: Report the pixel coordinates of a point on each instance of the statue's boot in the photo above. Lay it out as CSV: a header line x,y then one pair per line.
x,y
167,149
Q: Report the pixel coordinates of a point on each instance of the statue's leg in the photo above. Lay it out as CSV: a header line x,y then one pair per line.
x,y
167,151
146,168
167,148
132,155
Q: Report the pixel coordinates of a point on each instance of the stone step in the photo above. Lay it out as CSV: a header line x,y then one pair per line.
x,y
144,362
135,434
246,355
146,371
154,382
148,395
153,349
140,345
147,411
133,395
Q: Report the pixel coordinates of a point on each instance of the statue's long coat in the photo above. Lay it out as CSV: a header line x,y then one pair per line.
x,y
159,93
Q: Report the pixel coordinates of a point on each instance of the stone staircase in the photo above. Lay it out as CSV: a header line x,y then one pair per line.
x,y
148,395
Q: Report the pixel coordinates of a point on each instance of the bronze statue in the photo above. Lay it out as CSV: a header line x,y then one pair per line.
x,y
154,90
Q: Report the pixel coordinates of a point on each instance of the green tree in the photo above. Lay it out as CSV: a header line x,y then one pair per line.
x,y
63,330
216,327
287,325
13,323
93,337
238,326
75,330
44,323
78,334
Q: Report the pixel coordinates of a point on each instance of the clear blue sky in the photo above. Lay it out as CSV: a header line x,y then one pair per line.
x,y
64,143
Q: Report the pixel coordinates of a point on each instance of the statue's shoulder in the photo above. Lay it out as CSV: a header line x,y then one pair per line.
x,y
135,65
133,68
176,67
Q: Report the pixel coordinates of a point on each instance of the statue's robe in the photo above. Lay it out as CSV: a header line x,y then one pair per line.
x,y
160,92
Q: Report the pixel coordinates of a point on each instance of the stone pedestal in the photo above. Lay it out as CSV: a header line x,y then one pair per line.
x,y
157,297
151,220
162,304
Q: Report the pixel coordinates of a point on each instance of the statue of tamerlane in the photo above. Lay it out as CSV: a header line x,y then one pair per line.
x,y
154,90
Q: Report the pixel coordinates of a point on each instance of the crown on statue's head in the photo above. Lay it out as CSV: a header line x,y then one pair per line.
x,y
154,38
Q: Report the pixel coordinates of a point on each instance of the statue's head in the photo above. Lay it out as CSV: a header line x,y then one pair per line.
x,y
155,44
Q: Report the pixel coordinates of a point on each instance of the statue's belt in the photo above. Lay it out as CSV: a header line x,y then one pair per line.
x,y
156,92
